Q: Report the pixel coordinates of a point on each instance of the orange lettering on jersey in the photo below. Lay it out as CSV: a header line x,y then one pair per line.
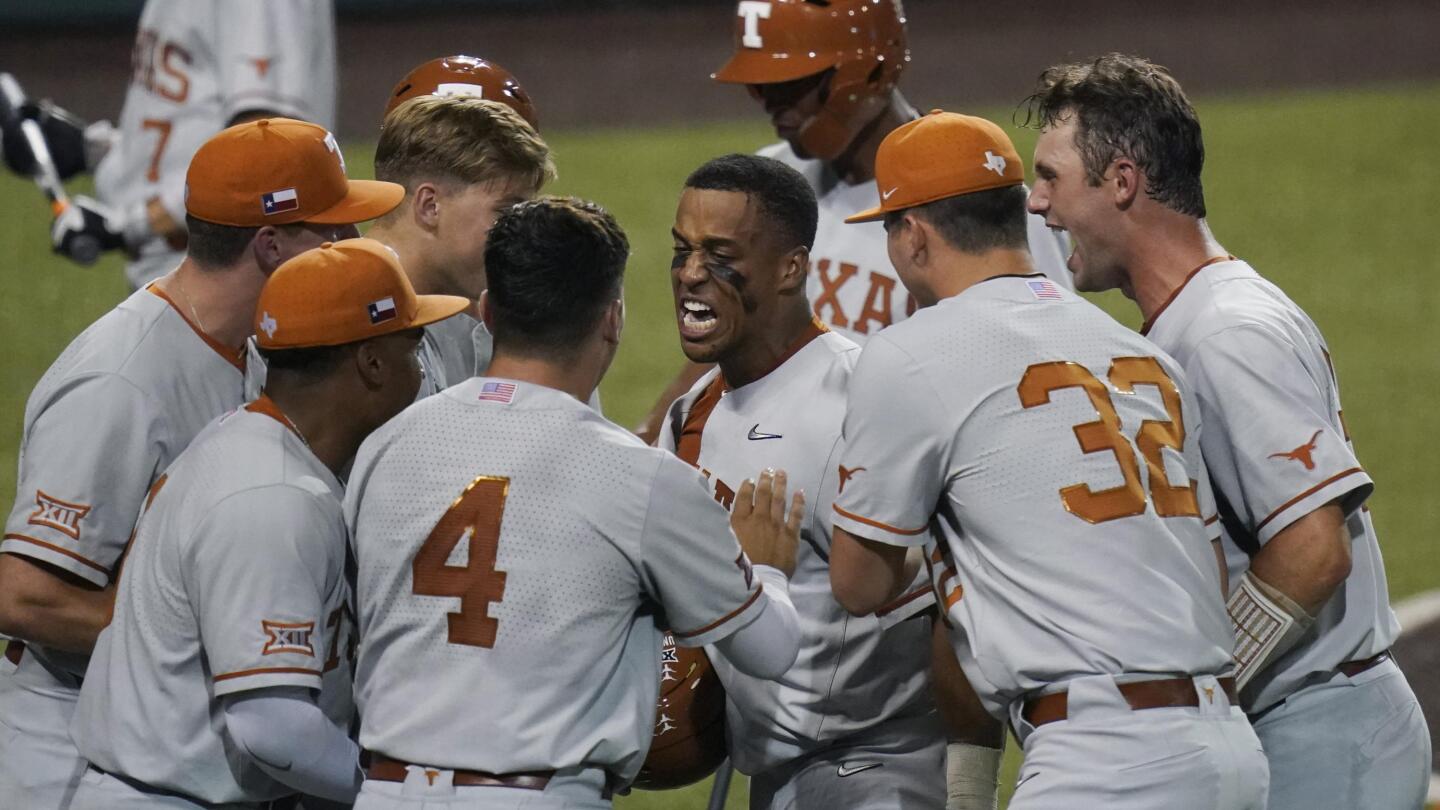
x,y
724,494
288,637
846,473
152,57
877,304
262,66
59,515
173,60
1302,453
830,291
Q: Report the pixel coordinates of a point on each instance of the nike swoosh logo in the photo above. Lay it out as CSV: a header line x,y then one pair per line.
x,y
846,769
755,435
887,194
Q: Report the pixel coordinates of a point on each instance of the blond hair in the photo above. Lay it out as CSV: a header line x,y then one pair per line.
x,y
459,140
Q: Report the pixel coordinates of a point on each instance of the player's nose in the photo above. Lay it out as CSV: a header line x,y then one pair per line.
x,y
1038,202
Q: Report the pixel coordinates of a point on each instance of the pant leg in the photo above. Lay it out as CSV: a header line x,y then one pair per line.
x,y
1106,755
1349,743
39,766
578,790
98,791
898,767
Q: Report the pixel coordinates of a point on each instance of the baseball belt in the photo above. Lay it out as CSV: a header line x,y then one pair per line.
x,y
1162,694
385,769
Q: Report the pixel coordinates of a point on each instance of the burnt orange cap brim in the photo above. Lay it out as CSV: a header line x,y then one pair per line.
x,y
366,200
878,212
432,308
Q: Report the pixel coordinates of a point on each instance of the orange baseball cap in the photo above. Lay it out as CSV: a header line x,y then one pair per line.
x,y
343,292
941,155
276,171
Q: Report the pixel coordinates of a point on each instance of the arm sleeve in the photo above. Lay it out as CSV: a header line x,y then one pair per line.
x,y
277,55
691,561
259,572
1272,437
89,457
766,647
896,449
286,734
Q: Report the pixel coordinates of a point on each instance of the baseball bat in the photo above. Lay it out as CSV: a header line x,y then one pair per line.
x,y
85,249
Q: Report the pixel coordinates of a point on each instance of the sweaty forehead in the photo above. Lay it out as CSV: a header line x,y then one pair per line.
x,y
711,215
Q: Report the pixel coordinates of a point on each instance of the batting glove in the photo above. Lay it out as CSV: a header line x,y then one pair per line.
x,y
72,145
84,230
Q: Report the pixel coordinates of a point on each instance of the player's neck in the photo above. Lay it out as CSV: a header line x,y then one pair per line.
x,y
1162,261
576,378
410,247
769,349
220,303
324,418
857,165
962,271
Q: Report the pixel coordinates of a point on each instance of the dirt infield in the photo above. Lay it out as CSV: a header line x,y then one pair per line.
x,y
646,67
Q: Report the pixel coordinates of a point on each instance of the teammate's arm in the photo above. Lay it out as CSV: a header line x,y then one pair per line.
x,y
1308,560
47,606
864,574
975,740
285,733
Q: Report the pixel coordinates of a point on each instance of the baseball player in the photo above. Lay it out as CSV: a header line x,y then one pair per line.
x,y
462,160
507,535
199,67
234,603
851,723
125,398
1054,454
1308,600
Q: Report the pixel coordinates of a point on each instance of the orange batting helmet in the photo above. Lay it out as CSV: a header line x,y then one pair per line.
x,y
464,76
862,41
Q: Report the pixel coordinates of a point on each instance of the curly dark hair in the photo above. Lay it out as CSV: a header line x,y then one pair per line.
x,y
553,266
1127,106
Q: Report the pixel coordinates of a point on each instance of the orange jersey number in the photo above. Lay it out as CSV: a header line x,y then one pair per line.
x,y
475,517
1104,435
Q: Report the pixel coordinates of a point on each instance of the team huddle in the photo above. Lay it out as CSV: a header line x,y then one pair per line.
x,y
315,519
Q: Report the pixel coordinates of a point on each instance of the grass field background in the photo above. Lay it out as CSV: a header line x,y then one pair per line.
x,y
1330,194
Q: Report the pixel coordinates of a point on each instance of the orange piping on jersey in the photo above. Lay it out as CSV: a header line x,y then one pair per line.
x,y
57,549
727,617
266,406
1307,493
235,357
903,601
688,448
1212,520
877,524
1150,322
267,671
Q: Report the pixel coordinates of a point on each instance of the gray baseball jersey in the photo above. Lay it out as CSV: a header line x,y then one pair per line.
x,y
1277,449
852,286
540,630
198,63
852,674
452,351
235,581
1054,453
113,411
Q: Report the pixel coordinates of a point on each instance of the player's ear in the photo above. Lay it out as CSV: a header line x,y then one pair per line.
x,y
1127,181
914,236
614,321
796,267
267,250
369,364
425,206
487,316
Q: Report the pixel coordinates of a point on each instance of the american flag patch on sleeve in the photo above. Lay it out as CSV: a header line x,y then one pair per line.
x,y
1044,290
497,392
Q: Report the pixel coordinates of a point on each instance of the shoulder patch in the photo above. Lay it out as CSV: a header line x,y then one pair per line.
x,y
288,637
59,515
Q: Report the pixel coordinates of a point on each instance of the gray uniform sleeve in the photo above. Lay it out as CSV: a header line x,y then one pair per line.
x,y
88,459
691,562
258,574
263,55
897,440
1272,439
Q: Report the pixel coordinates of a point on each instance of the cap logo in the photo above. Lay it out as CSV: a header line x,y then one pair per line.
x,y
382,311
886,196
451,89
995,163
753,11
278,202
268,325
334,146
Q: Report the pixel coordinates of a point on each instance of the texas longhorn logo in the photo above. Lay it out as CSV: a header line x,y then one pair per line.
x,y
59,515
846,473
1302,453
753,11
288,637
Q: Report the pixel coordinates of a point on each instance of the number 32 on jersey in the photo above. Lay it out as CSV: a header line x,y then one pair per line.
x,y
1104,435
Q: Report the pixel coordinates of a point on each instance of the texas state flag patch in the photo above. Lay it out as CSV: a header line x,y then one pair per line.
x,y
382,310
278,202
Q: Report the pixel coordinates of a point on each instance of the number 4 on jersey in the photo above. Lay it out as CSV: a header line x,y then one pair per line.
x,y
1095,437
475,515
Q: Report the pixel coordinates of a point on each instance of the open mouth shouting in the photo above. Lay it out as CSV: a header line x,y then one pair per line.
x,y
697,319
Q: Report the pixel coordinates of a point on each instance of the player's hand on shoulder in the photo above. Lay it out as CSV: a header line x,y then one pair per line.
x,y
84,229
768,535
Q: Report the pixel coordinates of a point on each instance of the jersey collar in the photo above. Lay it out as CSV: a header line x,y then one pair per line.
x,y
233,356
1213,260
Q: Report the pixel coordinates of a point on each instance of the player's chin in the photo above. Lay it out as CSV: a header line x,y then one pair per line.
x,y
701,342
